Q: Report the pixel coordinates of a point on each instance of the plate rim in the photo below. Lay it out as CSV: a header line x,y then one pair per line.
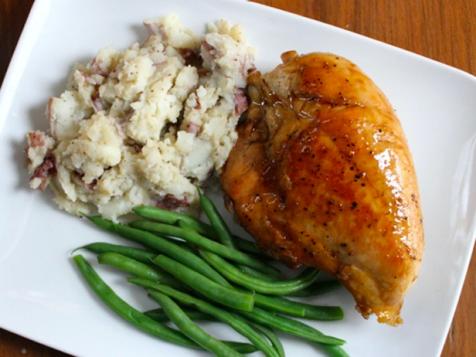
x,y
27,40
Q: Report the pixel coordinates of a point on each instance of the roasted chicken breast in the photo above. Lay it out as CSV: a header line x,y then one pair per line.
x,y
321,176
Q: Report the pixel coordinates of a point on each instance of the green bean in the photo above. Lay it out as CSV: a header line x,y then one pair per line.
x,y
257,274
320,287
273,338
172,217
222,294
241,347
235,321
297,309
263,286
138,269
142,255
124,310
191,329
150,284
246,246
161,245
271,347
243,268
333,351
205,243
102,223
216,220
184,225
131,266
240,243
290,326
160,316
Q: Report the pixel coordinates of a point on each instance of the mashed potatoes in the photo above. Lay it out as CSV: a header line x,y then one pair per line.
x,y
144,125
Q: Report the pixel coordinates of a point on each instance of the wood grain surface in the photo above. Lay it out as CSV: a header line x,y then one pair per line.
x,y
444,30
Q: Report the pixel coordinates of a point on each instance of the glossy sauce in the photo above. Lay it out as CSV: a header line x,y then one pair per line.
x,y
321,176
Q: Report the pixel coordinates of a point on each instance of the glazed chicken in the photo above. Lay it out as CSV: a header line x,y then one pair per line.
x,y
321,176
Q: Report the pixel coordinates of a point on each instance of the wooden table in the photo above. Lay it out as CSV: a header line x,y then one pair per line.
x,y
444,30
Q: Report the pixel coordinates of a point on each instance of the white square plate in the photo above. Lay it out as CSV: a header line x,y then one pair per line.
x,y
41,295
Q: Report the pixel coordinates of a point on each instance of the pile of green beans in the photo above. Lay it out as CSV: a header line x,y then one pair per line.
x,y
138,319
197,271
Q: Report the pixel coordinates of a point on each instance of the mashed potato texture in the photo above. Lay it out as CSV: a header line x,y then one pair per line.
x,y
145,125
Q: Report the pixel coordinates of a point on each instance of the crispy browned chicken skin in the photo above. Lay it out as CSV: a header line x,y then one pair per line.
x,y
321,176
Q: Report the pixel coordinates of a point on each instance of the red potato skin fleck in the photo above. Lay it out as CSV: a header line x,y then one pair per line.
x,y
44,171
36,139
170,202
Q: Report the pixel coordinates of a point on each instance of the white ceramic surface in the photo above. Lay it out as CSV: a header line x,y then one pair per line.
x,y
41,295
